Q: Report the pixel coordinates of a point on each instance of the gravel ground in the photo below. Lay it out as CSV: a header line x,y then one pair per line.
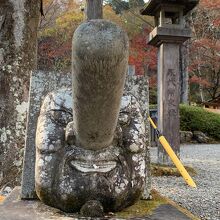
x,y
204,201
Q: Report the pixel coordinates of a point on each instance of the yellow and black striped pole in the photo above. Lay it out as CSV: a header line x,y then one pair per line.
x,y
173,156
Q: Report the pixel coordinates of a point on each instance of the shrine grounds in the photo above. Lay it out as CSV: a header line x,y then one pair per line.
x,y
204,201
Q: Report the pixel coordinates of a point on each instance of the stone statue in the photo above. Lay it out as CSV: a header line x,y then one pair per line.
x,y
91,140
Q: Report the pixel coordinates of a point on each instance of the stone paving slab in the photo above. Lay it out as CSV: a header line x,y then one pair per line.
x,y
15,209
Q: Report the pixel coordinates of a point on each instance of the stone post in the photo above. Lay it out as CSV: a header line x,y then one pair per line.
x,y
168,35
168,98
94,9
97,93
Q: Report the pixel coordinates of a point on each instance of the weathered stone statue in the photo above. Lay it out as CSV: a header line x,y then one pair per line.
x,y
91,140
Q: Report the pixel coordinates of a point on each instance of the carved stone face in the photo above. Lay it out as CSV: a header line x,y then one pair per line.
x,y
98,152
67,176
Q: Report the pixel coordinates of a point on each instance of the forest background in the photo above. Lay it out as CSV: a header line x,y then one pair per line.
x,y
61,18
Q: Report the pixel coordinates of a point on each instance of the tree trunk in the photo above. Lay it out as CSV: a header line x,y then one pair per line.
x,y
94,9
198,57
18,37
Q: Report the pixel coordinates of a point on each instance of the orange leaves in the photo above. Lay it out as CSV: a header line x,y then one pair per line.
x,y
210,4
109,14
216,22
61,19
199,81
153,81
206,44
2,198
141,54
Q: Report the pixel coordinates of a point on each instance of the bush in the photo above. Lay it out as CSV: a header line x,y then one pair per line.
x,y
198,119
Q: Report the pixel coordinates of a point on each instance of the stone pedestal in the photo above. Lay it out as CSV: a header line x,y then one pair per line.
x,y
13,208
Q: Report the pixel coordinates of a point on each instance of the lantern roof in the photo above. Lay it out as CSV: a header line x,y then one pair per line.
x,y
154,5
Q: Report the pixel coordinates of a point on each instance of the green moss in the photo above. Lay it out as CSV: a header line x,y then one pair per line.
x,y
162,170
142,207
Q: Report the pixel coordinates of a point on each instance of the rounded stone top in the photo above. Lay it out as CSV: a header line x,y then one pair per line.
x,y
100,39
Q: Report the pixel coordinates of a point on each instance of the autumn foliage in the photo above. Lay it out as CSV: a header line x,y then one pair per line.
x,y
142,55
63,16
205,50
55,34
59,23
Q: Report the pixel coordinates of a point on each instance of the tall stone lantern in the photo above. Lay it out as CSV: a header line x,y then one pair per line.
x,y
169,33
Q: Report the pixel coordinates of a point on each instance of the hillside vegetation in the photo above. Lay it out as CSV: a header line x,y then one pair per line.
x,y
197,119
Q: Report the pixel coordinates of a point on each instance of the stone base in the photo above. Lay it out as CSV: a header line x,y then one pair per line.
x,y
13,208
